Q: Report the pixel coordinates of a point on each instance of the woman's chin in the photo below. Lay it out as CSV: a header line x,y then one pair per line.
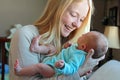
x,y
65,35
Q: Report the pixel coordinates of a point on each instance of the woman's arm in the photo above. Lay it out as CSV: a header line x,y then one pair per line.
x,y
19,49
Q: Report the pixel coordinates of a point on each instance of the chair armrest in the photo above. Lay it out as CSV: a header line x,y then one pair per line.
x,y
108,71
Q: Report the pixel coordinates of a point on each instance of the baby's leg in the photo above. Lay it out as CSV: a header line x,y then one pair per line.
x,y
40,68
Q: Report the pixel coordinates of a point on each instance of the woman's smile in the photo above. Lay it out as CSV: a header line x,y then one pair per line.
x,y
69,28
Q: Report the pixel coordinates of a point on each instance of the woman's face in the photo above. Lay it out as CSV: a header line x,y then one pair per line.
x,y
73,17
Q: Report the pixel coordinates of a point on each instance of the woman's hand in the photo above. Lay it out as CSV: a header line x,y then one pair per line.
x,y
89,63
17,67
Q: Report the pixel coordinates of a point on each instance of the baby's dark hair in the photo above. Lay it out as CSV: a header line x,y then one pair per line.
x,y
99,43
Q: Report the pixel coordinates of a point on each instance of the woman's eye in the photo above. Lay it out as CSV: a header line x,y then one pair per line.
x,y
74,14
81,20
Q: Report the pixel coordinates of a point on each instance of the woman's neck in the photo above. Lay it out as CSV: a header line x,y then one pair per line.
x,y
64,40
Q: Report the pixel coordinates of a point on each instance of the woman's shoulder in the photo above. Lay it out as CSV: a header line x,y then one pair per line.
x,y
27,31
30,27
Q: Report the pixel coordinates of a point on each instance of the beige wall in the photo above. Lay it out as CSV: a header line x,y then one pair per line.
x,y
19,12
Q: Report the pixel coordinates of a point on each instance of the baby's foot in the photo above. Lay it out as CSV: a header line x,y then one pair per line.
x,y
17,67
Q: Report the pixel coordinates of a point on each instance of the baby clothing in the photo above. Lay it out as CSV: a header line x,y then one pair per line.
x,y
73,59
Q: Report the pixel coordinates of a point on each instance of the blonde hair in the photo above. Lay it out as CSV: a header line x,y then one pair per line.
x,y
49,23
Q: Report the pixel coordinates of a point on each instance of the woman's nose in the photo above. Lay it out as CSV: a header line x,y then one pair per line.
x,y
76,24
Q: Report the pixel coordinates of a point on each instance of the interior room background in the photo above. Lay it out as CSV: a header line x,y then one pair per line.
x,y
27,11
102,8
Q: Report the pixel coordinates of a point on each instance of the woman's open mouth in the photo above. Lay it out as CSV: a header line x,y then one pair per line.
x,y
68,28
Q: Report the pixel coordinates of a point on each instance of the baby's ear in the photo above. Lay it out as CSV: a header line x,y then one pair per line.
x,y
83,46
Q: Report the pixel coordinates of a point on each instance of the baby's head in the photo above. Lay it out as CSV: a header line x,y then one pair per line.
x,y
93,40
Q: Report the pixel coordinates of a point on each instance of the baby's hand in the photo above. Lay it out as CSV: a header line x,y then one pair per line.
x,y
59,64
67,44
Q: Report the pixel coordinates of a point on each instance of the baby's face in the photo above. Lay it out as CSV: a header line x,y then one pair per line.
x,y
81,42
82,39
85,37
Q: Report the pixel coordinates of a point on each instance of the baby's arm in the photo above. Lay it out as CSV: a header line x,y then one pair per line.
x,y
40,68
66,68
41,48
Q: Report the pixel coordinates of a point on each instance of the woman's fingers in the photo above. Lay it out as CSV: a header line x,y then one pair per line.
x,y
90,53
17,67
101,58
16,64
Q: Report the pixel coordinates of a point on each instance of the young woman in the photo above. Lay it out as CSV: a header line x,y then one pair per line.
x,y
62,21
